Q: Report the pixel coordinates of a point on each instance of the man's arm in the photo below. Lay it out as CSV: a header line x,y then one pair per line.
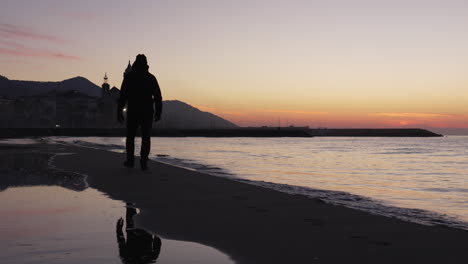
x,y
157,100
122,99
119,232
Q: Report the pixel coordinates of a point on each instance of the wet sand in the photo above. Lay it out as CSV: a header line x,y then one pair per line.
x,y
256,225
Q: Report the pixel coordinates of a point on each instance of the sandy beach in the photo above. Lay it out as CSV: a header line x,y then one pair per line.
x,y
256,225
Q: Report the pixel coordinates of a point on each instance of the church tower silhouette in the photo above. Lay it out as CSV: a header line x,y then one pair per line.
x,y
128,69
105,87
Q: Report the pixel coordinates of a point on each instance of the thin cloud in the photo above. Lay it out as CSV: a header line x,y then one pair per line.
x,y
409,115
10,43
13,32
292,112
11,37
30,52
80,15
247,112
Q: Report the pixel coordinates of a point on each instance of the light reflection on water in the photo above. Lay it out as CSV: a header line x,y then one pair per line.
x,y
51,224
423,173
57,219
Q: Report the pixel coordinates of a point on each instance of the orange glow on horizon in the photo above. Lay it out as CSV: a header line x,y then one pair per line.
x,y
322,64
275,117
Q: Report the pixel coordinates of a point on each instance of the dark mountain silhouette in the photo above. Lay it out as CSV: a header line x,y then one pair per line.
x,y
3,83
177,114
16,88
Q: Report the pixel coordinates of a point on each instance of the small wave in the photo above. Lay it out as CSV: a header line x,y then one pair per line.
x,y
97,145
399,152
82,143
405,151
192,165
19,141
462,190
366,204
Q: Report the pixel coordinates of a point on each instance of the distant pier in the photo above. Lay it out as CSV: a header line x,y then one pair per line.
x,y
231,132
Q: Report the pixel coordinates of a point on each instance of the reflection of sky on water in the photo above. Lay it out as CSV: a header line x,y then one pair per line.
x,y
57,219
50,224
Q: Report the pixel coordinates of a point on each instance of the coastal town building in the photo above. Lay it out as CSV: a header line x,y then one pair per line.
x,y
65,109
79,103
107,105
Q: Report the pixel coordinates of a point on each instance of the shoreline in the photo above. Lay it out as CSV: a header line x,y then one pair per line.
x,y
347,199
257,225
223,132
252,224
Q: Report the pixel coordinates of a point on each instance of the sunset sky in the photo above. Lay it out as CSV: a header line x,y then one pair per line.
x,y
328,63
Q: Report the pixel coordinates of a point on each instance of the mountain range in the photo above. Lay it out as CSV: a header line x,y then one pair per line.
x,y
176,114
15,88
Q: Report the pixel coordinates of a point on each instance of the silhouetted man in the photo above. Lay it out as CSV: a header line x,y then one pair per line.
x,y
139,247
139,91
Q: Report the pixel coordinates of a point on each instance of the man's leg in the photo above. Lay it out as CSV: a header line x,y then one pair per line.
x,y
146,127
132,126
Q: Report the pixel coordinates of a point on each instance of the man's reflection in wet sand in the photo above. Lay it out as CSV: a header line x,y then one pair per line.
x,y
140,247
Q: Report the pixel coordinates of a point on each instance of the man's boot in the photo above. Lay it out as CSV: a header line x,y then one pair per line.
x,y
129,163
144,164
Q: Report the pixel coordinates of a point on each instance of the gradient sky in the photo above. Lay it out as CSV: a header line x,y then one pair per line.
x,y
332,63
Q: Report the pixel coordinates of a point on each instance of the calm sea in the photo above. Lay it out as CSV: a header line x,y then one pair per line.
x,y
423,180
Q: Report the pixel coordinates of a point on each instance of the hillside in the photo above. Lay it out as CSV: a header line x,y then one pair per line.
x,y
177,114
17,88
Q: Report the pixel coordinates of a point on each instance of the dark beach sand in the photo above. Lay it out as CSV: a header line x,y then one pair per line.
x,y
256,225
